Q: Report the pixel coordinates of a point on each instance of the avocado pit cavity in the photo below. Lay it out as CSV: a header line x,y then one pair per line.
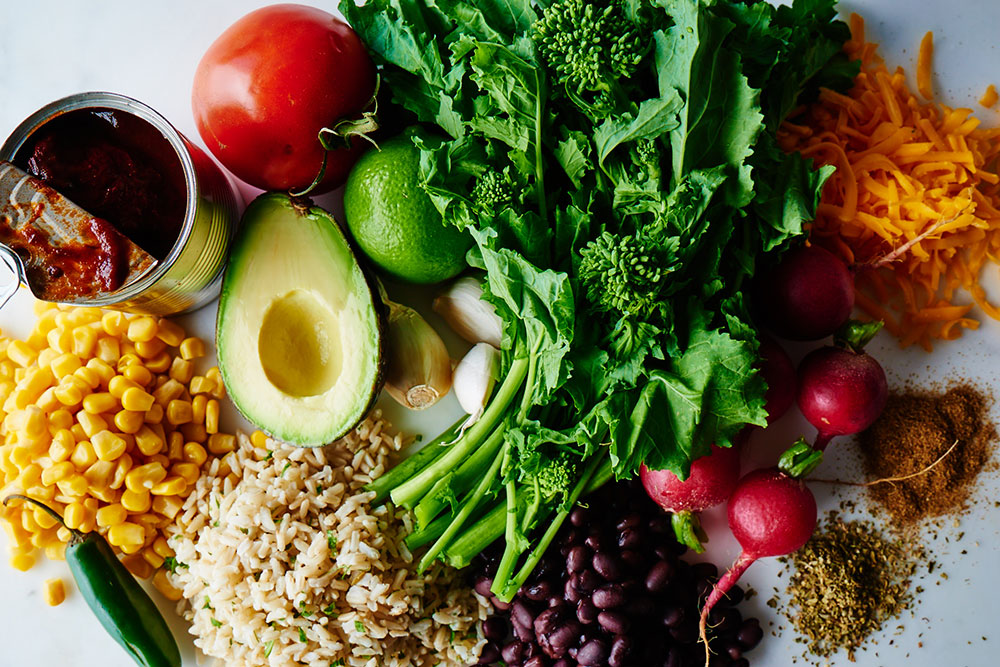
x,y
299,345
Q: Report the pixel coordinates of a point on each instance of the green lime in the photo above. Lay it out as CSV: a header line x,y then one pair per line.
x,y
393,220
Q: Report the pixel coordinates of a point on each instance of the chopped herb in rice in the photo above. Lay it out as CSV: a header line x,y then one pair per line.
x,y
170,564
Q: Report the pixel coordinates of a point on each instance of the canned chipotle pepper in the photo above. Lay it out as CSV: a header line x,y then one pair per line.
x,y
124,163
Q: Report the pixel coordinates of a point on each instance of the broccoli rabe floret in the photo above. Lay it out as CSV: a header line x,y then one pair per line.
x,y
493,191
556,477
623,274
645,155
588,44
647,152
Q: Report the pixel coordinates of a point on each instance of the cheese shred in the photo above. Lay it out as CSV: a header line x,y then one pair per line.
x,y
924,71
909,173
989,98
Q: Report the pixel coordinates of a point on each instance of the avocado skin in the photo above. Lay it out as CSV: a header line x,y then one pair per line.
x,y
279,203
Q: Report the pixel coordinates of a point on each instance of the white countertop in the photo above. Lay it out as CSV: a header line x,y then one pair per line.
x,y
149,50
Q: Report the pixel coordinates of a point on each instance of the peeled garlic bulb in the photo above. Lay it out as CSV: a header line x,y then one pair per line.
x,y
463,308
474,377
418,368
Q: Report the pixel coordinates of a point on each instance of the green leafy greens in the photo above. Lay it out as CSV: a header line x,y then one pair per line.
x,y
615,162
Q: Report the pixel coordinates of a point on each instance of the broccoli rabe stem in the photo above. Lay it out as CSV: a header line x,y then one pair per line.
x,y
469,505
409,493
490,527
424,536
505,587
480,535
528,519
413,463
455,483
543,208
512,534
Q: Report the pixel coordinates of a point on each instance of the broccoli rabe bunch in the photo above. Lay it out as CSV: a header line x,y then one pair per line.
x,y
590,46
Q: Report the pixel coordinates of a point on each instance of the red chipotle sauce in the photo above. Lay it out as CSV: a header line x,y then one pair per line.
x,y
120,169
74,269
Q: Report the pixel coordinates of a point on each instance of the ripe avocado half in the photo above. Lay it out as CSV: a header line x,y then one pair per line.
x,y
299,330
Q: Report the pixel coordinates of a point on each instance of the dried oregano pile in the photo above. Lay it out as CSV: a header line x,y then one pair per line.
x,y
848,580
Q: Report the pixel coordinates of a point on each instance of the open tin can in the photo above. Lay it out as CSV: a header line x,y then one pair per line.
x,y
190,273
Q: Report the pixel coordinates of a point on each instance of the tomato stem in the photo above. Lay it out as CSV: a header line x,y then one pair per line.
x,y
342,134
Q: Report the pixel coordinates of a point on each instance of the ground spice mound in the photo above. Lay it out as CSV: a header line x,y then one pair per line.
x,y
848,581
914,431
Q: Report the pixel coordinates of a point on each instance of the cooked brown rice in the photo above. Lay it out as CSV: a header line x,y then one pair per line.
x,y
263,587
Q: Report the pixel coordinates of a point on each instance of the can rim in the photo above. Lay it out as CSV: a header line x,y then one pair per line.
x,y
119,102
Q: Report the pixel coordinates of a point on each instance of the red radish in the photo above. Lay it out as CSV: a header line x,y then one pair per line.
x,y
770,514
779,373
808,295
841,392
711,481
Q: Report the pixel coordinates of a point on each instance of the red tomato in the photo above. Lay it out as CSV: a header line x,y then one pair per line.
x,y
269,83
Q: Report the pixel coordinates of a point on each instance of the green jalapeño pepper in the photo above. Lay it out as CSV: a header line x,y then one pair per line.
x,y
120,603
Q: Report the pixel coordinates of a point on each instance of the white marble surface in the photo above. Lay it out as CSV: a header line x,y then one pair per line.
x,y
149,50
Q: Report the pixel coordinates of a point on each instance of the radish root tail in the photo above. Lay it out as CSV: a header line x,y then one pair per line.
x,y
718,592
901,250
890,480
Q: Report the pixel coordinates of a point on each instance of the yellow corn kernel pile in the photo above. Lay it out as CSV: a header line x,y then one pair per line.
x,y
103,418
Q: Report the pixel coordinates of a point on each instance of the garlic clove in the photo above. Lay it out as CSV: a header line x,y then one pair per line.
x,y
462,306
418,367
474,378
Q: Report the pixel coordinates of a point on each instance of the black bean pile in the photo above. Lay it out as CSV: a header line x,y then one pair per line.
x,y
612,591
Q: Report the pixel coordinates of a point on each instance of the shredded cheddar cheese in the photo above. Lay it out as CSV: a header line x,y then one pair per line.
x,y
914,179
924,71
989,97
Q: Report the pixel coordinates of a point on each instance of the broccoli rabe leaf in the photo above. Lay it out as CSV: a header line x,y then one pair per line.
x,y
789,51
573,154
787,199
403,34
509,76
707,395
633,343
491,20
654,117
540,307
450,170
721,118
